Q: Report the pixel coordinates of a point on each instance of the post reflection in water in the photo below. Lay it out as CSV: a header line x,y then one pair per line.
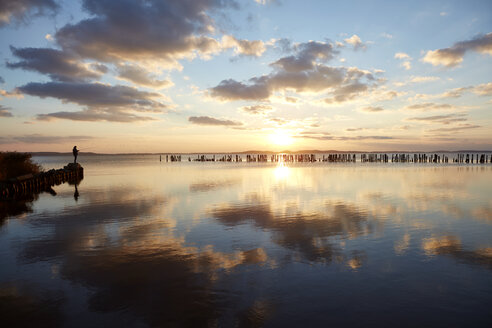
x,y
199,244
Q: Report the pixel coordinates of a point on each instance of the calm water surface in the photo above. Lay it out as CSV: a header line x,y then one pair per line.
x,y
145,243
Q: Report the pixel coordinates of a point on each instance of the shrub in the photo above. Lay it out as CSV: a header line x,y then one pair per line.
x,y
13,164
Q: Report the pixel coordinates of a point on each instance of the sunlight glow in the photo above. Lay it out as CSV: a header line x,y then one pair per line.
x,y
281,171
281,138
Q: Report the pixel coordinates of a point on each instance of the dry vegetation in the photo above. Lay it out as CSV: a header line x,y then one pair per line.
x,y
13,164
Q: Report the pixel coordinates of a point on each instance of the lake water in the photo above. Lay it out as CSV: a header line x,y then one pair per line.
x,y
144,243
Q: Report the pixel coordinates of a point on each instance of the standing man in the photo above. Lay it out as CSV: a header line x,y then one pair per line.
x,y
75,152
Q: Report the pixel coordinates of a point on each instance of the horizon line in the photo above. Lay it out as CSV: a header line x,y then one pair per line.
x,y
306,151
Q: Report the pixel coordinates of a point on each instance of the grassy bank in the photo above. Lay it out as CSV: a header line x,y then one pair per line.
x,y
14,164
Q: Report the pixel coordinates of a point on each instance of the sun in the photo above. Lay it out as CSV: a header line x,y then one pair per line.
x,y
281,138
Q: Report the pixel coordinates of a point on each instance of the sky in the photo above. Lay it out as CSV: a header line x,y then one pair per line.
x,y
133,76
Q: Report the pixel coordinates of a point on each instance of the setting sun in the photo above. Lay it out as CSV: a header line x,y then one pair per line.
x,y
281,138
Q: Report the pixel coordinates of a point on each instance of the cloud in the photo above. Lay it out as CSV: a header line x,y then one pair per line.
x,y
356,42
347,92
244,47
206,120
387,35
96,95
371,109
327,136
257,109
456,129
423,79
104,102
429,106
21,9
441,119
292,100
402,55
355,129
407,65
58,65
5,111
2,80
96,115
140,76
453,56
302,72
44,139
229,90
267,2
455,93
11,94
483,89
126,30
307,56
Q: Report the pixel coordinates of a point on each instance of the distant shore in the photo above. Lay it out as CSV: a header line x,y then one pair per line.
x,y
266,152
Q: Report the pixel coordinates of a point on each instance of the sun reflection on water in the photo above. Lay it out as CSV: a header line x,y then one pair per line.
x,y
281,171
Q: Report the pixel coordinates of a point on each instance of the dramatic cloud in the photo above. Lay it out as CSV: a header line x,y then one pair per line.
x,y
104,102
453,56
429,106
303,72
152,30
229,90
371,109
20,9
140,76
441,119
206,120
5,111
58,65
307,56
96,95
257,109
244,47
356,42
347,92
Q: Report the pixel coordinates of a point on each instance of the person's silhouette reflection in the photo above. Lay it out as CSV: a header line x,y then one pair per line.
x,y
76,193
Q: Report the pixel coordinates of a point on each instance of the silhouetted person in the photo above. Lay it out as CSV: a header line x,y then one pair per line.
x,y
75,152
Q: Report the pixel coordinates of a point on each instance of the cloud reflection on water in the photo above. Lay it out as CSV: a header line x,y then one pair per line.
x,y
200,247
306,233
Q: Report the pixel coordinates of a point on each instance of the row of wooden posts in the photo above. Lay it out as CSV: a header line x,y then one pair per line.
x,y
342,158
30,183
